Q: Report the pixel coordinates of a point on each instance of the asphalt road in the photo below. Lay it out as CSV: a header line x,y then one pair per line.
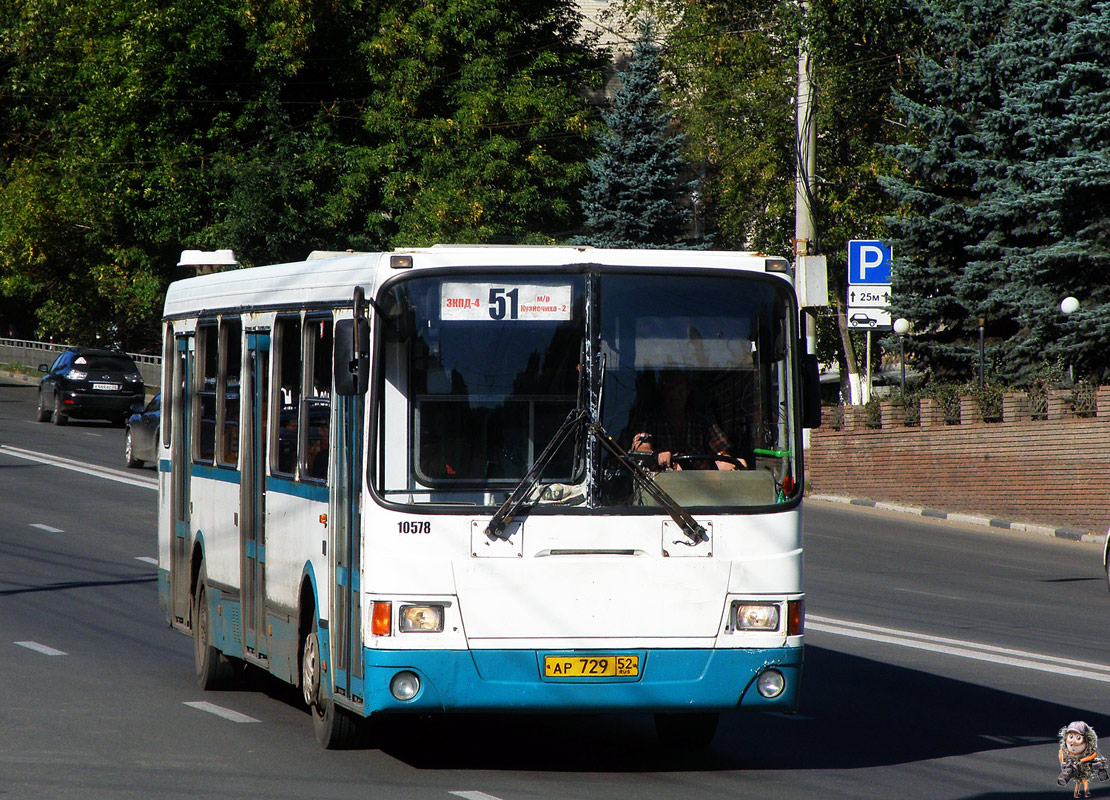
x,y
940,661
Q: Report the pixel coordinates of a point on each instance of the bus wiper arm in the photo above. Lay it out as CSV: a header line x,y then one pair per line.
x,y
509,509
695,532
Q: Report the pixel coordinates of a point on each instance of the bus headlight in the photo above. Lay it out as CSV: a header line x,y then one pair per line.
x,y
421,619
755,616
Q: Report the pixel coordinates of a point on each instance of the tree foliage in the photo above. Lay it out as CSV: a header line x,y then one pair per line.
x,y
479,122
636,197
732,75
729,75
133,129
1004,199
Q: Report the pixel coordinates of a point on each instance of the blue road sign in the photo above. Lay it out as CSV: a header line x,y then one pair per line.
x,y
868,262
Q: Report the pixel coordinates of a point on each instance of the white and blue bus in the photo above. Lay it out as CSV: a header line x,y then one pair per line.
x,y
449,479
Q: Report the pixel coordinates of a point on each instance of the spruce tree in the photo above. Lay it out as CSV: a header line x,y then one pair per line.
x,y
936,186
1005,200
1045,189
635,197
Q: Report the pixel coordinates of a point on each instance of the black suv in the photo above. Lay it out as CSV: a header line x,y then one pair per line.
x,y
88,383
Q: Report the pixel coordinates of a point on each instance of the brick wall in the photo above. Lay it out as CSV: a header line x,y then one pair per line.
x,y
1043,462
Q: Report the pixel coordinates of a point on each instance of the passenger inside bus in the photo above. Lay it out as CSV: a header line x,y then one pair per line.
x,y
677,427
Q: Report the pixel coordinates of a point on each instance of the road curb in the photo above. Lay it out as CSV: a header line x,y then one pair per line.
x,y
19,377
1072,534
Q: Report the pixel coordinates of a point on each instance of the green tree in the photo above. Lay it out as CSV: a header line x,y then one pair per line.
x,y
478,120
133,130
636,197
935,183
98,185
731,76
1005,208
1044,185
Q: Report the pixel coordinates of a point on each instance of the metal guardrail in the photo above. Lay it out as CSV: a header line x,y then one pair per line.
x,y
29,354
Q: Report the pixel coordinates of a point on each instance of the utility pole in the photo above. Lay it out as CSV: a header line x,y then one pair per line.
x,y
805,152
810,270
805,228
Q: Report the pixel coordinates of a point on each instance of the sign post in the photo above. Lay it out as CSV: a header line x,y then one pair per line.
x,y
869,268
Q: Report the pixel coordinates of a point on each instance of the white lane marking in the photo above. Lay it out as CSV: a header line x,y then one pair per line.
x,y
220,711
41,648
80,466
47,528
975,651
147,559
474,796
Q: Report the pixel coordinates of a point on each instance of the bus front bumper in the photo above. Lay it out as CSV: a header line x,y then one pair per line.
x,y
513,680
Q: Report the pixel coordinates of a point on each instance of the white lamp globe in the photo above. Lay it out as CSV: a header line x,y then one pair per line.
x,y
1069,305
901,326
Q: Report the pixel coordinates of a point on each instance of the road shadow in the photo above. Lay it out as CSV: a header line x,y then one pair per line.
x,y
856,713
72,422
65,585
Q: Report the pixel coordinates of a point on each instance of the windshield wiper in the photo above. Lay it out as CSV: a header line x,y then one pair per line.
x,y
695,532
496,529
507,512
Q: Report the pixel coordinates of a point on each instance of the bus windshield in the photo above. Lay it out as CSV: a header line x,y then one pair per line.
x,y
689,373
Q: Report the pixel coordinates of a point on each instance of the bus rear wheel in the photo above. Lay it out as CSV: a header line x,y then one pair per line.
x,y
335,728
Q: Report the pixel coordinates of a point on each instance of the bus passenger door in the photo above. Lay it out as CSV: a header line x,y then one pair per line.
x,y
345,627
180,556
254,399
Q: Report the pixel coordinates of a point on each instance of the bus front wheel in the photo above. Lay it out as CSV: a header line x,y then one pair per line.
x,y
213,669
335,728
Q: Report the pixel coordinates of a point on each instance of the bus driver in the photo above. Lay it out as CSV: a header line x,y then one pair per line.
x,y
678,429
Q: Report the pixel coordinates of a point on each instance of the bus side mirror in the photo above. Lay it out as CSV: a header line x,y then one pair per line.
x,y
811,391
352,357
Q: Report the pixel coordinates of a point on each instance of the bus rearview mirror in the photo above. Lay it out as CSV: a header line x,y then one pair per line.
x,y
811,389
352,357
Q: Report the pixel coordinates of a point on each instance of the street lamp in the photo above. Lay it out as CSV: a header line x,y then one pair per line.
x,y
982,322
1068,306
902,327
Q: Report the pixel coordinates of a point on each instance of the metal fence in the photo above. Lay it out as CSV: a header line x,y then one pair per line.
x,y
28,355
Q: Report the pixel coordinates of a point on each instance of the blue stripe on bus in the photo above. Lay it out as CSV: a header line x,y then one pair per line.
x,y
670,680
307,491
222,474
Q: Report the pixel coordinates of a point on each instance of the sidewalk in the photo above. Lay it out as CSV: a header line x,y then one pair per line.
x,y
1074,534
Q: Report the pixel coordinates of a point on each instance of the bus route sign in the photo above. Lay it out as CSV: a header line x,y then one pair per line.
x,y
493,302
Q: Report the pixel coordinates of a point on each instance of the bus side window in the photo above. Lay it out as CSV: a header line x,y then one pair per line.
x,y
317,399
204,418
231,357
287,385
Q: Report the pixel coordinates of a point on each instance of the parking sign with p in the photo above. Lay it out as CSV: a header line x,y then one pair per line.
x,y
868,262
